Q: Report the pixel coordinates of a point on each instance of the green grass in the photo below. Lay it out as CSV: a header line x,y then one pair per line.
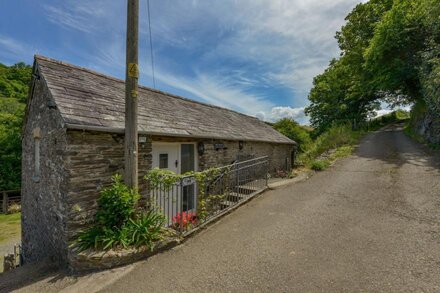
x,y
320,165
340,138
10,227
340,152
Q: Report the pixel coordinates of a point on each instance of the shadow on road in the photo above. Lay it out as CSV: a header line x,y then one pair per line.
x,y
396,148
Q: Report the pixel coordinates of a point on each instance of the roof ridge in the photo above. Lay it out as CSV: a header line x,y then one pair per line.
x,y
41,57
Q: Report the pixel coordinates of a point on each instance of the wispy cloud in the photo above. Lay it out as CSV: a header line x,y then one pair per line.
x,y
218,91
80,15
257,57
10,47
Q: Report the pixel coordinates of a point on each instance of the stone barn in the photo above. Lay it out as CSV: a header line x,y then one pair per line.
x,y
73,144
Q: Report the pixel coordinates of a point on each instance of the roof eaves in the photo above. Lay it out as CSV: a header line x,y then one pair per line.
x,y
121,131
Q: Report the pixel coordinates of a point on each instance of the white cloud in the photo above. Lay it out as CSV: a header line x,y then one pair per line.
x,y
384,110
218,91
288,42
287,112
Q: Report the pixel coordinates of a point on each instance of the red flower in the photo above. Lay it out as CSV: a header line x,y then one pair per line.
x,y
185,218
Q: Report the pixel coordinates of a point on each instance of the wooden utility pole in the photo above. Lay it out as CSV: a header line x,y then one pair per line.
x,y
131,96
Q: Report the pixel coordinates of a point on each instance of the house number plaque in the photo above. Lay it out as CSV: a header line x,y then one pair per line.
x,y
188,181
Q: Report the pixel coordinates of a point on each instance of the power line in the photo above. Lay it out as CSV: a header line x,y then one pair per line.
x,y
151,43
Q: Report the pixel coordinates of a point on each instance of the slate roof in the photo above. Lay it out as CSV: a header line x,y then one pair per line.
x,y
91,100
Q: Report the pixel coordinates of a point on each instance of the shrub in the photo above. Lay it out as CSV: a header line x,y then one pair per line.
x,y
319,165
116,204
145,229
119,223
294,131
336,136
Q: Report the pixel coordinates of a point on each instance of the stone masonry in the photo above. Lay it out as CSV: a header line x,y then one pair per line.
x,y
69,155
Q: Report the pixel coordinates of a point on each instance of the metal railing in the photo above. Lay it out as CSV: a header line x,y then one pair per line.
x,y
195,200
9,198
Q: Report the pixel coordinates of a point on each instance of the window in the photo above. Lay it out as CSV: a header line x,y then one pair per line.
x,y
37,136
163,161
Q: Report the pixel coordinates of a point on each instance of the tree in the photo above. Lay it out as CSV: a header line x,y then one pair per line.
x,y
403,56
343,92
294,131
14,84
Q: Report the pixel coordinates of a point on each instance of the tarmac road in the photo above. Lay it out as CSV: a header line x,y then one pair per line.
x,y
370,223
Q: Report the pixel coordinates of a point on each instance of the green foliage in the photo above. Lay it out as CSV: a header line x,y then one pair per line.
x,y
395,52
120,223
116,204
395,116
334,137
390,51
10,225
340,139
14,82
320,165
342,151
342,93
294,131
161,178
145,229
206,203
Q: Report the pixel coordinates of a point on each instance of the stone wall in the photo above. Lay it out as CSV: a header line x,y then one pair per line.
x,y
76,165
92,158
425,123
279,154
44,196
428,127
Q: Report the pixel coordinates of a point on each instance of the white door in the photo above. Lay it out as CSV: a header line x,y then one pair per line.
x,y
166,156
179,158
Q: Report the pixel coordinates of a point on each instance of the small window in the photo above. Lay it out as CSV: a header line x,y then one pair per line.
x,y
37,136
163,161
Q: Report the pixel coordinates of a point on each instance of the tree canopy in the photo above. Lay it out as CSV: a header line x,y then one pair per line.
x,y
389,52
14,84
294,131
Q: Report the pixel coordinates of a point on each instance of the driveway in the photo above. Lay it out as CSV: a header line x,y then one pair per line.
x,y
370,223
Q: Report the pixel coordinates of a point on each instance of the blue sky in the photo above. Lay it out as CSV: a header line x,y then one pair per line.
x,y
256,57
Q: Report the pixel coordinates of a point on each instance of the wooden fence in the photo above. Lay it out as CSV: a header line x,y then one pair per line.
x,y
9,198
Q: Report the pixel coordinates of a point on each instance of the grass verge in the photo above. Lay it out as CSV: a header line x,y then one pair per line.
x,y
339,141
10,227
10,230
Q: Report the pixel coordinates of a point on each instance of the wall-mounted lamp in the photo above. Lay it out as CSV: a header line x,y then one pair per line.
x,y
201,148
240,145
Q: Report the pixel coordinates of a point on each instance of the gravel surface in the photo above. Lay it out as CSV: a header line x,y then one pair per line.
x,y
370,223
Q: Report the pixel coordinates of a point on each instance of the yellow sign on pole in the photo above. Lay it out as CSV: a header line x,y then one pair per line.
x,y
133,70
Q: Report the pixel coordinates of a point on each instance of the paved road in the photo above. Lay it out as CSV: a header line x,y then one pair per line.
x,y
371,223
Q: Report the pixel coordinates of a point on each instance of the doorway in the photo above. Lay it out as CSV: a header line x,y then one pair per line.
x,y
179,158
